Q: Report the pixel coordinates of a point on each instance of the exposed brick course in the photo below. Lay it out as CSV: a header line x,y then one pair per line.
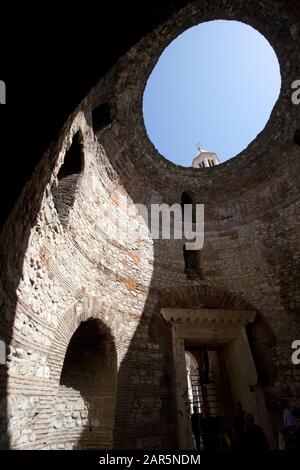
x,y
65,260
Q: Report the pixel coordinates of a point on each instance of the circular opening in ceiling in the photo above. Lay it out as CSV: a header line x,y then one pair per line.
x,y
213,88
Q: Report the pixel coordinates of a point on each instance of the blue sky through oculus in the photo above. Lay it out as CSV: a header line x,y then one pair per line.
x,y
216,84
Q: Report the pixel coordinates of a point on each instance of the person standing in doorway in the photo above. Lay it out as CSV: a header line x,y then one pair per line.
x,y
195,418
238,425
289,428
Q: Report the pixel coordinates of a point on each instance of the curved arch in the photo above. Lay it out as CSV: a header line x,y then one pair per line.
x,y
203,296
85,402
191,362
88,308
124,147
83,361
187,197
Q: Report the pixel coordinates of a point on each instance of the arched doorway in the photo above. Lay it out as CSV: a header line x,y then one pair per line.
x,y
85,404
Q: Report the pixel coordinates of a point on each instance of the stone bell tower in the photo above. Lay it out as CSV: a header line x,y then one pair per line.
x,y
205,159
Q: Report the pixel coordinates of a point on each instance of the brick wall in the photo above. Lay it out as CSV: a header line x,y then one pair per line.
x,y
58,272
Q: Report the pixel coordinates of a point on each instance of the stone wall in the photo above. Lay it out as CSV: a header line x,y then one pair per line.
x,y
63,267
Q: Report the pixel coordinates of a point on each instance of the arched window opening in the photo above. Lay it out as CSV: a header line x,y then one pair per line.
x,y
64,193
191,257
101,117
74,159
85,405
187,198
297,137
191,263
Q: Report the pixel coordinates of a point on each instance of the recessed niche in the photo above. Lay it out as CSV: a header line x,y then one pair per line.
x,y
64,194
101,117
297,137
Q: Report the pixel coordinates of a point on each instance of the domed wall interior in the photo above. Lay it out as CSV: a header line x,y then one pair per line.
x,y
54,269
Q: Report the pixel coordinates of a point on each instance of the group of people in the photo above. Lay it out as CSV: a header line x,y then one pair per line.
x,y
211,434
289,434
242,434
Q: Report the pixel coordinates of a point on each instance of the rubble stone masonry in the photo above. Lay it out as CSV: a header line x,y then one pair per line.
x,y
66,265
